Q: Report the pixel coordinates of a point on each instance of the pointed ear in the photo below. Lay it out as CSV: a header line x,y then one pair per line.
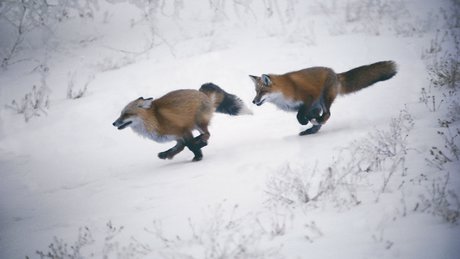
x,y
146,103
254,78
266,80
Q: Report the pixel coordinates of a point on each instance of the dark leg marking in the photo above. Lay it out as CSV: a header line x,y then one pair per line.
x,y
302,116
196,151
202,140
311,130
170,153
315,111
193,144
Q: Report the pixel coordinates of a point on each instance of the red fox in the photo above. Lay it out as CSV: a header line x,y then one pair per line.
x,y
175,115
311,91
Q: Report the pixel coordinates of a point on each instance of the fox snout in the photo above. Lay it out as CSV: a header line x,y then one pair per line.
x,y
258,100
121,124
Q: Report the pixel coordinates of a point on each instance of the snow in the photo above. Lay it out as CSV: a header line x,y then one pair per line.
x,y
70,168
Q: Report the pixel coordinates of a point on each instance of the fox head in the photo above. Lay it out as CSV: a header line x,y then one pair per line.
x,y
263,85
130,114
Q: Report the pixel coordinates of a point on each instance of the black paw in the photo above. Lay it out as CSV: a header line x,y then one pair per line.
x,y
303,120
197,158
199,142
164,155
311,130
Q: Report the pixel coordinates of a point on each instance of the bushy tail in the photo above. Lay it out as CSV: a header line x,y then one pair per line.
x,y
364,76
224,102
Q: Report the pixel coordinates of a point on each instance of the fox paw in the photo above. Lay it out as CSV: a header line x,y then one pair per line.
x,y
197,158
311,130
200,142
303,120
165,155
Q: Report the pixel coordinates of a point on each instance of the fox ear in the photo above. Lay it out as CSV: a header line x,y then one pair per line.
x,y
146,103
254,78
266,80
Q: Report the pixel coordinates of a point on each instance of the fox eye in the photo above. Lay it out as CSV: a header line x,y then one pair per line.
x,y
261,90
126,115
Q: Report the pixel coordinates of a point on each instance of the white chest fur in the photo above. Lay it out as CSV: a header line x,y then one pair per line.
x,y
283,103
139,127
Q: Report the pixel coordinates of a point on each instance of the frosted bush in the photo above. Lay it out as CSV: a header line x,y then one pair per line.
x,y
24,17
221,234
34,103
75,92
88,246
440,200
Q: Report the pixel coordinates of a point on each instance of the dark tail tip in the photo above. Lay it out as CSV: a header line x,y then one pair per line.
x,y
211,87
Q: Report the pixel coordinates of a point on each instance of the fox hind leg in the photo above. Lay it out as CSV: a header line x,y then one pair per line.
x,y
202,139
325,106
311,114
188,141
195,148
198,154
327,98
195,144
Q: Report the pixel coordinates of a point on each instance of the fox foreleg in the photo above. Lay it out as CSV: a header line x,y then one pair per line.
x,y
312,130
170,153
302,115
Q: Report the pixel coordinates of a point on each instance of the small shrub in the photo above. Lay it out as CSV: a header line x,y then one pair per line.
x,y
34,103
304,187
440,201
219,235
72,93
445,71
59,249
86,246
382,151
430,99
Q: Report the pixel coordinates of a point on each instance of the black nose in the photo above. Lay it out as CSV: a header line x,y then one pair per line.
x,y
254,101
113,124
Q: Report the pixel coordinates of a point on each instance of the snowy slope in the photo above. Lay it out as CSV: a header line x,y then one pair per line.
x,y
70,174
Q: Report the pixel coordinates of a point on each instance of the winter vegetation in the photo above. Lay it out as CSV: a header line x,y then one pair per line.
x,y
380,180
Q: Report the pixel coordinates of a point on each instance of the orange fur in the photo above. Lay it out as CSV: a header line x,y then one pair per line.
x,y
177,114
310,92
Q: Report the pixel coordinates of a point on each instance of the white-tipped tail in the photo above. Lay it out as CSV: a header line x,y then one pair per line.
x,y
244,110
224,102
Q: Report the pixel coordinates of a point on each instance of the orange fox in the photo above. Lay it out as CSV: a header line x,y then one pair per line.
x,y
311,91
175,115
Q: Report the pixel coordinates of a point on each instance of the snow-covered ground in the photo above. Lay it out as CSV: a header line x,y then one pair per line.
x,y
379,180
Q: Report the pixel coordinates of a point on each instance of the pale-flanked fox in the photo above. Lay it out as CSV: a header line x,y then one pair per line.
x,y
311,91
175,115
